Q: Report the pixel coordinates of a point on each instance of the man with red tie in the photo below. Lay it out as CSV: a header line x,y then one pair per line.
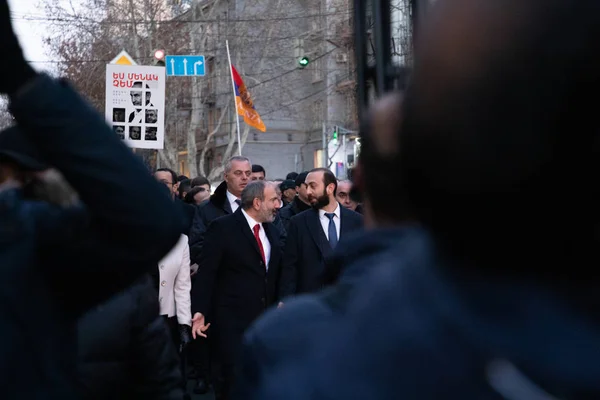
x,y
238,277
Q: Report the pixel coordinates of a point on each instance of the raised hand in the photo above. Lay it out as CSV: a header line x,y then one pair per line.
x,y
16,72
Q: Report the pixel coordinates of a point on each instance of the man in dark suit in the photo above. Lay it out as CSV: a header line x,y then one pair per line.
x,y
224,201
238,276
299,204
313,234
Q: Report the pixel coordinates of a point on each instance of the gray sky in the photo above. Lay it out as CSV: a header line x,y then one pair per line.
x,y
30,33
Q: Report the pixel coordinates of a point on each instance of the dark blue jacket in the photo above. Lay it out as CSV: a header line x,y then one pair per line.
x,y
418,328
284,334
126,350
56,264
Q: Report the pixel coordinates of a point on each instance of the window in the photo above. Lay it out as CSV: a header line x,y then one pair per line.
x,y
210,75
317,70
317,113
214,114
318,159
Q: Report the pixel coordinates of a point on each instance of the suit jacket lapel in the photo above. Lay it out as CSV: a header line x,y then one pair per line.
x,y
247,231
275,255
344,228
227,206
316,232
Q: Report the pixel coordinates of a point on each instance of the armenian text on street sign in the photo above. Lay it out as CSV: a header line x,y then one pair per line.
x,y
191,65
135,104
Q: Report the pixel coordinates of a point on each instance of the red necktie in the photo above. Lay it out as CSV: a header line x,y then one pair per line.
x,y
260,246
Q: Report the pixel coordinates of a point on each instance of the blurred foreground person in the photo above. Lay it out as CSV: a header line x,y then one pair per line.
x,y
276,340
124,346
497,298
169,178
197,195
126,350
56,264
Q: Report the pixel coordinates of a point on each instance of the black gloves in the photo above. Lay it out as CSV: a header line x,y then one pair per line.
x,y
185,337
14,70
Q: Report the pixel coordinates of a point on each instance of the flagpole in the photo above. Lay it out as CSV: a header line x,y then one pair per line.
x,y
237,118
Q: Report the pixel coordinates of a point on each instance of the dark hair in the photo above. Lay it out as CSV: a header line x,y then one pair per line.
x,y
182,178
184,186
189,197
173,174
386,196
200,180
253,190
328,177
502,165
301,178
258,168
292,176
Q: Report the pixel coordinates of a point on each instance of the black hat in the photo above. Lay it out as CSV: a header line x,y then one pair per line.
x,y
301,178
16,147
287,184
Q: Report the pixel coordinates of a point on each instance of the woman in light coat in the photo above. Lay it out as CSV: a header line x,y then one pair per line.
x,y
174,289
174,295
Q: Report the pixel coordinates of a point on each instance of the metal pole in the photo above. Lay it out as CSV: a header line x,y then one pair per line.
x,y
345,159
325,155
360,50
237,119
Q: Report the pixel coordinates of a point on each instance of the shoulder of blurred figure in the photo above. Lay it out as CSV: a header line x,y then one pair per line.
x,y
146,296
205,202
349,212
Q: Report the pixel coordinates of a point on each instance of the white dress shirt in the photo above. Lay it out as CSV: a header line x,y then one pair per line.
x,y
232,201
262,235
175,283
325,221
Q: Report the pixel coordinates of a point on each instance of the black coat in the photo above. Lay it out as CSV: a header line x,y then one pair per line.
x,y
295,207
307,249
188,212
232,287
126,350
213,208
57,265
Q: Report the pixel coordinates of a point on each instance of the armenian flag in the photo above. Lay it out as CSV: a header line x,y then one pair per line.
x,y
244,104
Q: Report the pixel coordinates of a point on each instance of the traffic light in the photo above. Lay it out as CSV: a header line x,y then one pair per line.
x,y
335,133
159,58
303,62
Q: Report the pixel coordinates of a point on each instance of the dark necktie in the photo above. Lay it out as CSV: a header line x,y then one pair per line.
x,y
260,245
238,202
333,239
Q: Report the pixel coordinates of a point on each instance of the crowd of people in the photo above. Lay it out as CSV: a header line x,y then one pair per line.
x,y
253,243
466,271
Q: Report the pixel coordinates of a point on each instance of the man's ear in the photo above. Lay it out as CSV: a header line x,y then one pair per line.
x,y
330,188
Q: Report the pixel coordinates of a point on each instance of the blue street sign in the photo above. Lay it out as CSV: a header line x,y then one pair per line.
x,y
191,65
